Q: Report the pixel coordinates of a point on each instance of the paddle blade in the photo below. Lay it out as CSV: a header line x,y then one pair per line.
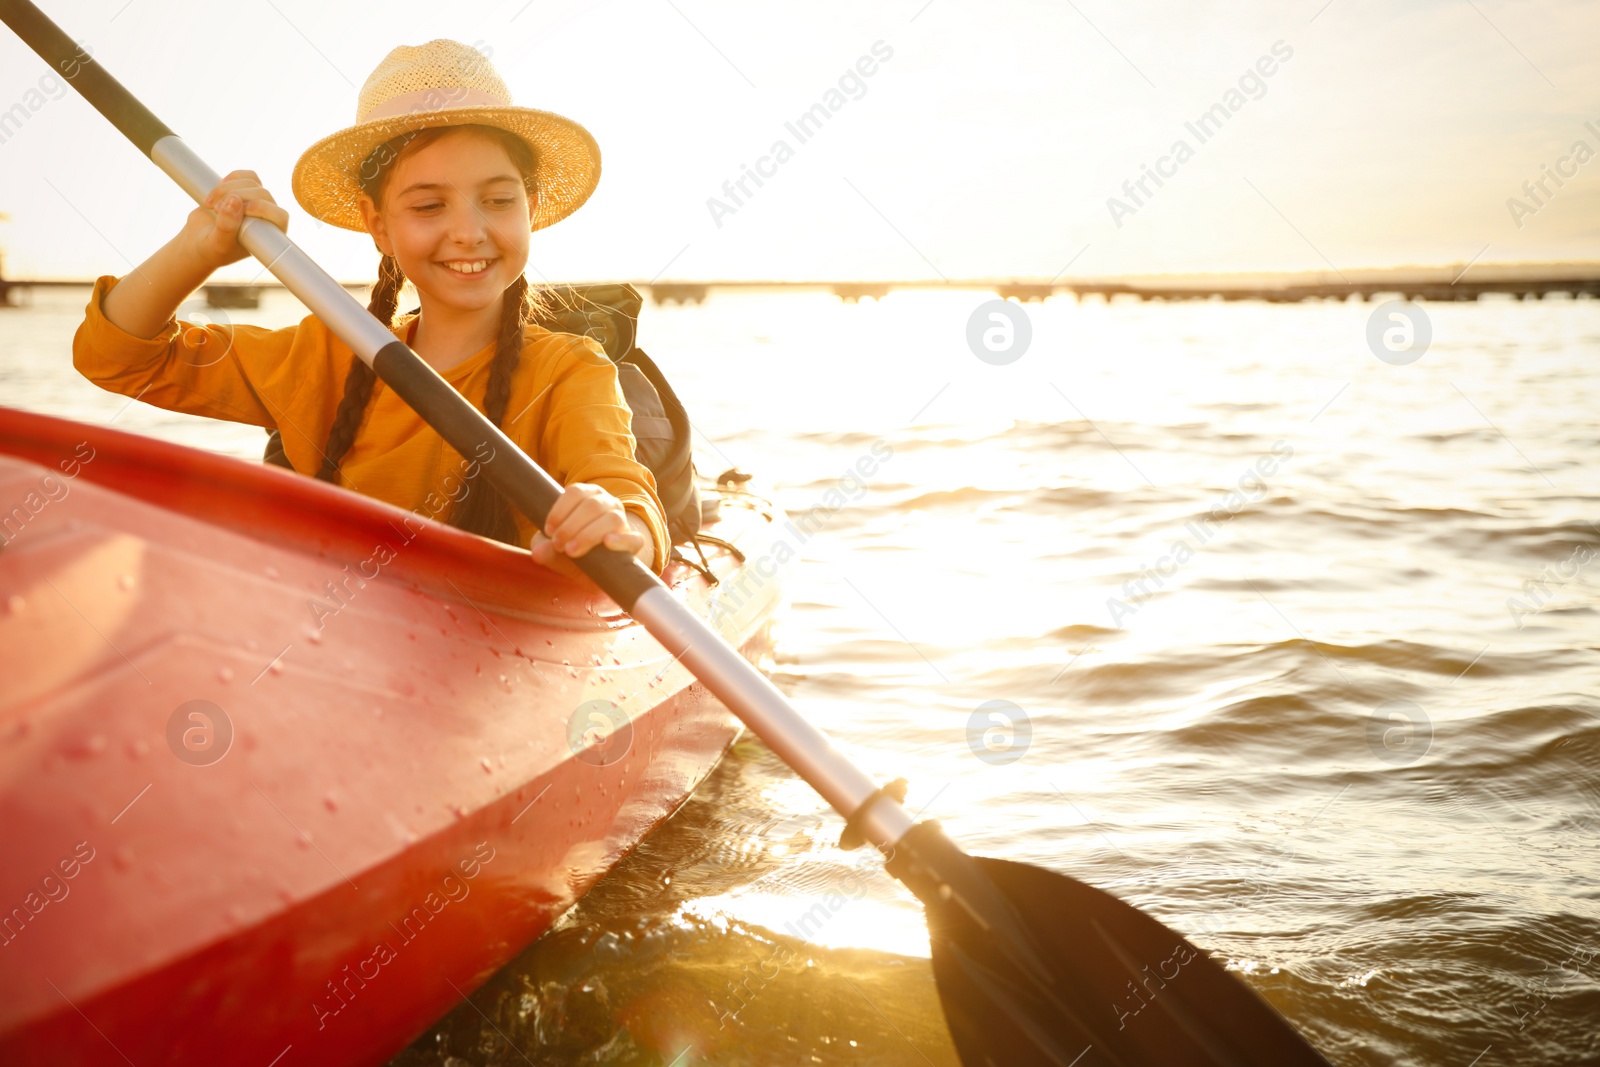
x,y
1034,967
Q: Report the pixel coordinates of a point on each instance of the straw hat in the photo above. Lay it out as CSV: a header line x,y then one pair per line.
x,y
444,83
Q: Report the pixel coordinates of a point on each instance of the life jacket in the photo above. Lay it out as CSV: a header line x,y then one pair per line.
x,y
608,313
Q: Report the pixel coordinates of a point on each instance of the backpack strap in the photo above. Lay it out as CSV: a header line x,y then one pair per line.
x,y
274,453
669,454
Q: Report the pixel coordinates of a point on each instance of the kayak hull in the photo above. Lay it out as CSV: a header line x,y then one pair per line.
x,y
285,772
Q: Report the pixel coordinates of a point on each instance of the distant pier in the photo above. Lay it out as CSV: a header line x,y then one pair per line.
x,y
1455,283
229,295
1451,283
14,291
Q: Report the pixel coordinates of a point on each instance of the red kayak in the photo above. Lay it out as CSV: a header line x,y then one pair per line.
x,y
286,772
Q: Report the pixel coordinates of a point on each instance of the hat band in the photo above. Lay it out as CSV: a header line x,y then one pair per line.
x,y
435,99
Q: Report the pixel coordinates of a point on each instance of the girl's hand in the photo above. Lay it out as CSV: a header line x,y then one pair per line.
x,y
212,231
585,516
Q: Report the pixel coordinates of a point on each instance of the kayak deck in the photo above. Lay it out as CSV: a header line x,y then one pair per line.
x,y
384,792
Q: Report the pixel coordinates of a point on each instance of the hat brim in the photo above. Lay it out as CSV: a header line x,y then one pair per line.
x,y
567,160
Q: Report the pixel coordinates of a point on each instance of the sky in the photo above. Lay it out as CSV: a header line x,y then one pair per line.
x,y
991,140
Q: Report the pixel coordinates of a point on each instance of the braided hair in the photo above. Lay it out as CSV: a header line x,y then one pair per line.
x,y
483,510
358,383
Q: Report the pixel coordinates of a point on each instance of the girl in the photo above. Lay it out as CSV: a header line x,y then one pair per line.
x,y
449,180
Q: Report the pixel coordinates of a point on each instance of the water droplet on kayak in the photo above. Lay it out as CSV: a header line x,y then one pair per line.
x,y
225,674
124,581
122,858
302,841
460,810
330,802
572,671
505,681
488,768
86,747
276,668
271,572
139,749
15,604
555,600
313,634
549,643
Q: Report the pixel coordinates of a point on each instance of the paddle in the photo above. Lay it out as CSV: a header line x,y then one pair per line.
x,y
1032,967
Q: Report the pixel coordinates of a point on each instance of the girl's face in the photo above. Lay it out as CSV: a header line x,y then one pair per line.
x,y
455,215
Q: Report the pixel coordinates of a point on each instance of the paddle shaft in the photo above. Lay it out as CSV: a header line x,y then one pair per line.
x,y
727,674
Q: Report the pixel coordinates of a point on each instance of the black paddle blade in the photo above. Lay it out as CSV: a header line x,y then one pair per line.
x,y
1034,967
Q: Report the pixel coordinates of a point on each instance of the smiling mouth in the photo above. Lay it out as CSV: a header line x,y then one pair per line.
x,y
467,267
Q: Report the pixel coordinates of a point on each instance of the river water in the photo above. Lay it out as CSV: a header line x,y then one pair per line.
x,y
1205,604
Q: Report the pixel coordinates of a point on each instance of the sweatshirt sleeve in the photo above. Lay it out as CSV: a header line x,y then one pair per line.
x,y
223,371
588,437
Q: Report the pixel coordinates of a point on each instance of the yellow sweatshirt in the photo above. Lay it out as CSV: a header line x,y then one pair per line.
x,y
566,408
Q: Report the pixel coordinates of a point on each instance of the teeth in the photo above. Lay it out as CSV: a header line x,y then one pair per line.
x,y
468,266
